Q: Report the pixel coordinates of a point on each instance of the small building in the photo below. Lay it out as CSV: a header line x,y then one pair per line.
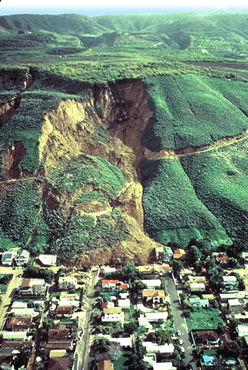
x,y
123,342
149,270
105,365
33,287
22,257
67,282
14,335
156,316
230,282
156,296
69,296
197,302
208,361
64,311
18,323
59,335
197,279
109,285
155,348
58,353
142,320
124,303
61,363
48,259
17,305
152,284
179,254
8,258
27,312
242,330
195,287
235,305
222,260
108,304
164,254
114,314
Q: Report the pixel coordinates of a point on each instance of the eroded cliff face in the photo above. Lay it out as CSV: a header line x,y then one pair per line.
x,y
108,125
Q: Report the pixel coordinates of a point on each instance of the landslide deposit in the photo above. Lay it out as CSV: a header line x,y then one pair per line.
x,y
108,173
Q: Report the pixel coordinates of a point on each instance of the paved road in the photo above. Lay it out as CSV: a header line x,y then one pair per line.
x,y
13,284
83,346
180,322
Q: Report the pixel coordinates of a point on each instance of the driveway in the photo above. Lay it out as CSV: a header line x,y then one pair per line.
x,y
180,322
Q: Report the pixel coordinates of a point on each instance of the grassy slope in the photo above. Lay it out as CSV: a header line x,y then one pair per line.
x,y
220,179
172,209
193,111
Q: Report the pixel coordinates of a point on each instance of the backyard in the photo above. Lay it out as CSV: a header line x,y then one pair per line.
x,y
206,319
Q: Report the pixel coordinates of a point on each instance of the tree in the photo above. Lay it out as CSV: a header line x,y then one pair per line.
x,y
130,328
160,337
194,253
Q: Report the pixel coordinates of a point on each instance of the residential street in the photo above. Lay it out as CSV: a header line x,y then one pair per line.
x,y
180,322
13,284
83,346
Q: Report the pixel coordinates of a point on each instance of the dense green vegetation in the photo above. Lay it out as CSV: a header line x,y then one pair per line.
x,y
172,209
192,111
87,169
205,319
220,181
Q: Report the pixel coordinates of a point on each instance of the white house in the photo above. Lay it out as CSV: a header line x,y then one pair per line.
x,y
109,284
14,335
22,257
230,282
19,305
195,287
33,287
48,259
114,314
8,258
155,348
124,303
152,284
67,282
156,316
242,330
123,342
27,312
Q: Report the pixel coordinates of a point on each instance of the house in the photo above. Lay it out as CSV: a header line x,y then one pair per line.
x,y
206,338
230,282
233,295
235,305
222,260
123,286
67,282
106,270
124,303
152,284
197,279
18,323
59,363
108,285
14,335
123,295
27,312
179,254
59,335
165,269
210,297
105,365
108,304
197,302
123,342
149,270
163,254
155,296
8,258
142,320
69,296
242,330
64,311
195,287
209,361
155,348
48,259
156,316
22,257
58,353
19,305
33,287
114,314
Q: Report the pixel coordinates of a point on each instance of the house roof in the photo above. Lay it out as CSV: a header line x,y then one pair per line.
x,y
222,258
110,282
108,305
19,322
15,343
152,282
179,253
112,310
124,286
48,259
230,278
156,315
58,363
57,353
234,302
152,293
149,269
64,309
105,365
26,284
13,335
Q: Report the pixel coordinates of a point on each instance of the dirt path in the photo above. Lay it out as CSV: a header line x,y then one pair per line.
x,y
178,153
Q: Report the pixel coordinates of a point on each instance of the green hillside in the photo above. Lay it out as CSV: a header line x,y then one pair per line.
x,y
121,132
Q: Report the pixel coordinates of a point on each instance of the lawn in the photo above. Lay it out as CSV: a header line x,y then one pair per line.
x,y
121,363
206,319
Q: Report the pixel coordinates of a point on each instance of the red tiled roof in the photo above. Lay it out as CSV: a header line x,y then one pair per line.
x,y
64,309
222,258
124,286
110,282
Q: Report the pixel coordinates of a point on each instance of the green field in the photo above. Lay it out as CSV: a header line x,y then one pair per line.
x,y
205,319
